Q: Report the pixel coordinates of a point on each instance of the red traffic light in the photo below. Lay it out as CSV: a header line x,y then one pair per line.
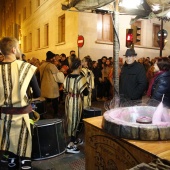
x,y
129,37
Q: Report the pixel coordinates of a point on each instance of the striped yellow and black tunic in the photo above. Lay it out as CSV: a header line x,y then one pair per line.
x,y
15,133
88,74
74,86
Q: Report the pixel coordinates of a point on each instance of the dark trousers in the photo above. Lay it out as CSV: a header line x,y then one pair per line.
x,y
99,90
106,88
54,103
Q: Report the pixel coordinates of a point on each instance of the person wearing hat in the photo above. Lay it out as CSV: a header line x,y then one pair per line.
x,y
50,76
133,80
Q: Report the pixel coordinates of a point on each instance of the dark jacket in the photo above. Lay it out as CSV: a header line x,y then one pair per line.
x,y
133,81
161,86
97,74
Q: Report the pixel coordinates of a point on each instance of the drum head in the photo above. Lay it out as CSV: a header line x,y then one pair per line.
x,y
92,109
47,122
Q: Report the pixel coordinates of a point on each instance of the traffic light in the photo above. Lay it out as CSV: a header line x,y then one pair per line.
x,y
136,34
129,37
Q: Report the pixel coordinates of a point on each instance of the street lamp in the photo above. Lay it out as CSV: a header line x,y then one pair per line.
x,y
131,4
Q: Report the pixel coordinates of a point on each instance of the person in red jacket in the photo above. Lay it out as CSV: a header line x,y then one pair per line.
x,y
160,83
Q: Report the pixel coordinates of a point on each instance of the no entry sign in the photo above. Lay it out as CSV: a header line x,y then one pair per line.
x,y
80,41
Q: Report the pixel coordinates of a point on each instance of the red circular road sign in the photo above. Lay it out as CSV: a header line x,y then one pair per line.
x,y
80,41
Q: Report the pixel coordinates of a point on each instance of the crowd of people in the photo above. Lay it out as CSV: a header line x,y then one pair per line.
x,y
100,75
81,82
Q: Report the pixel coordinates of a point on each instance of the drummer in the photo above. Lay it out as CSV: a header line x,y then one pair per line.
x,y
15,132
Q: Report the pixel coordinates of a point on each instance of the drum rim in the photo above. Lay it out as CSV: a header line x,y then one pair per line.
x,y
92,109
53,121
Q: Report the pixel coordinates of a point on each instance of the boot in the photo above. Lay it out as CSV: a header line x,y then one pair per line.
x,y
25,163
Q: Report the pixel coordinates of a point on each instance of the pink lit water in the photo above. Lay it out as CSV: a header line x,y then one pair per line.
x,y
161,115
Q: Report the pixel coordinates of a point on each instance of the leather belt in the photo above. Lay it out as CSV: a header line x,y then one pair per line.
x,y
16,110
73,95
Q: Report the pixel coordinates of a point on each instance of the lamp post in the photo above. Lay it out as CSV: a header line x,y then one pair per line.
x,y
162,38
116,47
162,34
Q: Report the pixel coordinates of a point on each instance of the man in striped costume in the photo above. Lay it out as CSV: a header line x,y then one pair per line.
x,y
15,132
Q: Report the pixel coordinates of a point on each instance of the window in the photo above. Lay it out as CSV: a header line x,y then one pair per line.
x,y
30,42
19,19
30,7
24,13
38,38
38,3
61,29
46,35
16,28
156,29
25,43
104,28
139,32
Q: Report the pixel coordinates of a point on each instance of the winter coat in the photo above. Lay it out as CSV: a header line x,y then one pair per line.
x,y
50,77
161,86
133,81
97,74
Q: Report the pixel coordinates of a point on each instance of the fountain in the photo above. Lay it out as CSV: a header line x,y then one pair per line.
x,y
138,122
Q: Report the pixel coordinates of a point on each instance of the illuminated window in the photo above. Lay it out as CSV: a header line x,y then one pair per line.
x,y
25,43
156,29
61,29
38,38
104,28
30,42
24,13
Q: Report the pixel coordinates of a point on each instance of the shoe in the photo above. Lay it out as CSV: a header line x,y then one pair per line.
x,y
72,149
4,158
12,164
104,99
25,163
78,142
99,99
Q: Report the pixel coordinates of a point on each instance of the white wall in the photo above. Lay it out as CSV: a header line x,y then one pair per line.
x,y
88,28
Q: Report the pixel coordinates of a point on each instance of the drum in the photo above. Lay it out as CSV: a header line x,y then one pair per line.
x,y
87,113
48,139
91,112
40,106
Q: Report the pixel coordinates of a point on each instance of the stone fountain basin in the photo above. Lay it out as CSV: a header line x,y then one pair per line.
x,y
121,122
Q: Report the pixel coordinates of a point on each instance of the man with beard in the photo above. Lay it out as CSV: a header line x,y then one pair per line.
x,y
15,105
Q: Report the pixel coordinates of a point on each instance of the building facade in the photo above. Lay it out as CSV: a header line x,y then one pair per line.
x,y
42,25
